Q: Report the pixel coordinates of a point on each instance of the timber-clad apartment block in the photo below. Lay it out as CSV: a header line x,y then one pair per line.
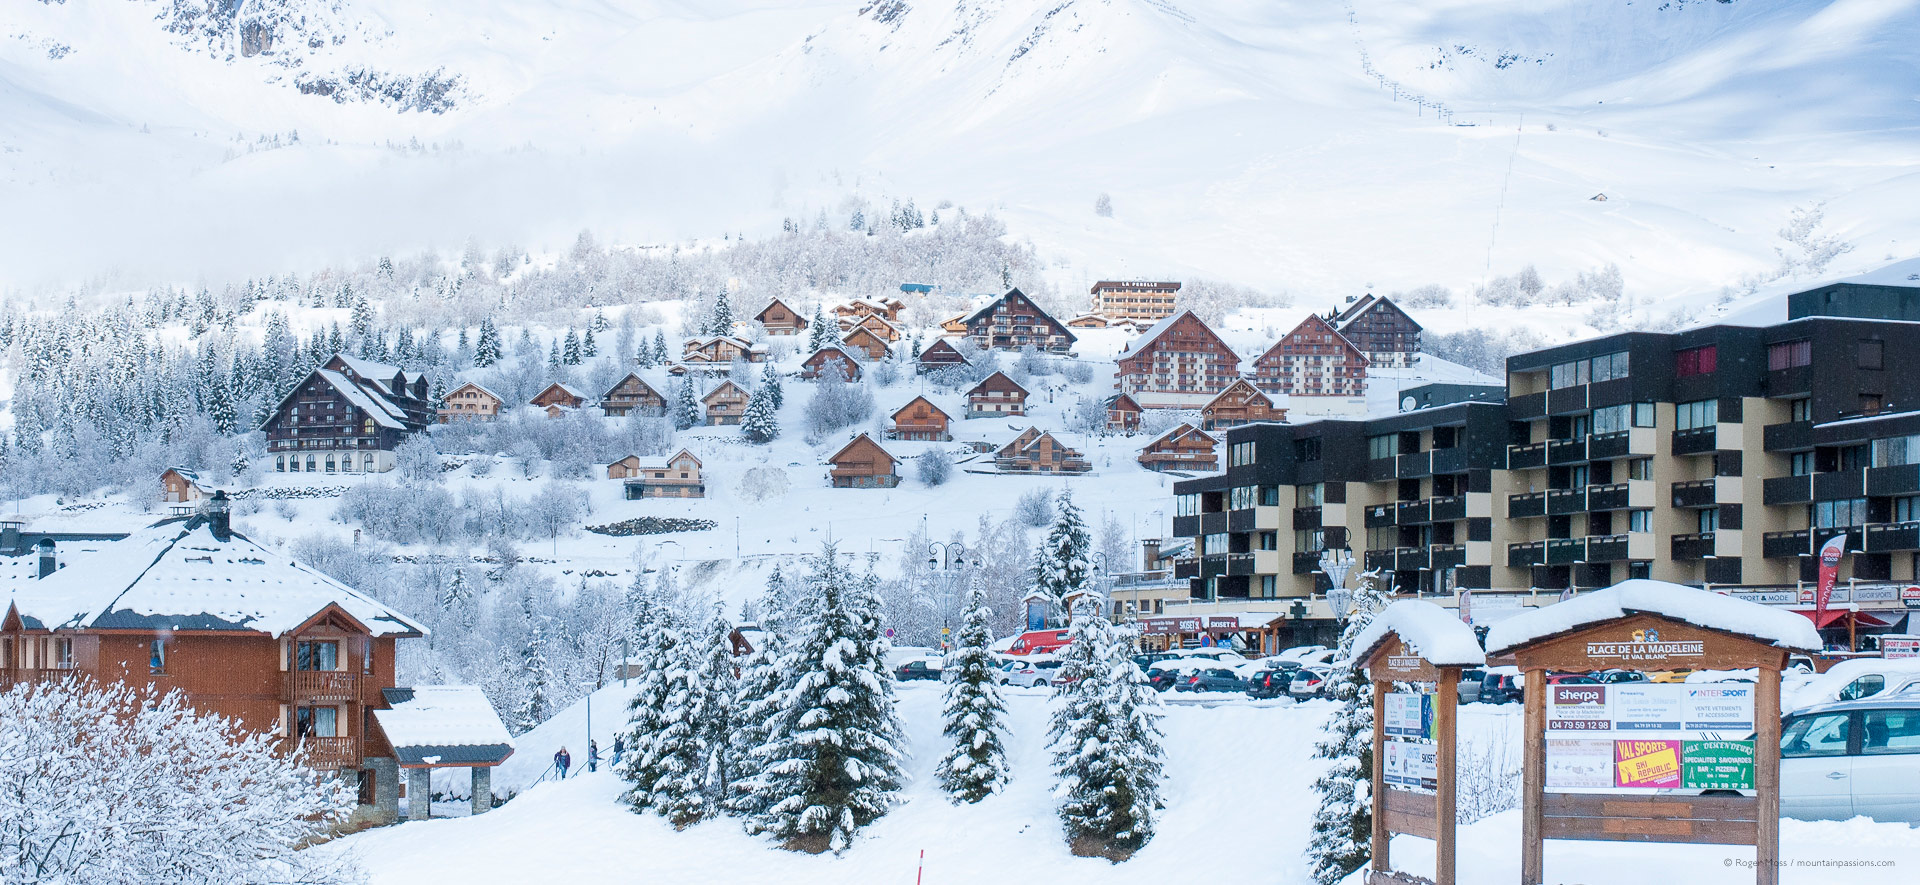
x,y
1720,456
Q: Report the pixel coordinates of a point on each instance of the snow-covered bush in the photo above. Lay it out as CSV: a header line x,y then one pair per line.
x,y
105,784
416,461
836,403
1486,780
934,467
1034,507
1077,372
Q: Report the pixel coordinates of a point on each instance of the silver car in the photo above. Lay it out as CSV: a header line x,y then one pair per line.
x,y
1852,758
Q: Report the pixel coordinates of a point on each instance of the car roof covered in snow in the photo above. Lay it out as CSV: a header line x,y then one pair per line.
x,y
1779,627
444,725
1434,633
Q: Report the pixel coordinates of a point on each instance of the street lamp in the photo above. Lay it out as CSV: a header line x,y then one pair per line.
x,y
946,556
1335,564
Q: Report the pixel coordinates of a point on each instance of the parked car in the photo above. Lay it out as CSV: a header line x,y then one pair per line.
x,y
1501,686
1617,677
1161,680
1668,677
1853,680
1032,673
1146,660
1309,682
998,672
1039,642
1271,682
1852,758
919,668
1571,679
1470,682
1215,652
1213,679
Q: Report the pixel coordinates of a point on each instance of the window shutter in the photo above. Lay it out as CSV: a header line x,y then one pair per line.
x,y
286,716
285,646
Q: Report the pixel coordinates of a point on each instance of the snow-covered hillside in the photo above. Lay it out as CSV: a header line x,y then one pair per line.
x,y
1306,146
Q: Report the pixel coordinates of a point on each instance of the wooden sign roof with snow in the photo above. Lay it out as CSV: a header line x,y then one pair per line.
x,y
1410,638
432,726
1654,625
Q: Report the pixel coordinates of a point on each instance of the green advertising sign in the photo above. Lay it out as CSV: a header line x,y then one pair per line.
x,y
1716,765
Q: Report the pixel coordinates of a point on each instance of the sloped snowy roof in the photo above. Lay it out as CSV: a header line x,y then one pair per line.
x,y
1434,633
477,386
370,402
179,576
1779,627
444,725
379,373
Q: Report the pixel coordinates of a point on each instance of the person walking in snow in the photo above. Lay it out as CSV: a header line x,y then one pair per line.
x,y
619,748
593,755
562,760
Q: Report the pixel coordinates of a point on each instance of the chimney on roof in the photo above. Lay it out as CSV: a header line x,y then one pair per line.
x,y
218,514
1149,553
47,561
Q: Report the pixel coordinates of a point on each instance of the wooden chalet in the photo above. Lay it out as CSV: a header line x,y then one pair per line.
x,y
241,630
885,308
1179,363
677,477
1123,413
1088,321
1240,404
940,354
178,485
1312,360
347,417
722,350
470,402
1035,451
954,325
828,358
1013,321
876,324
995,396
633,396
865,341
1148,300
863,464
726,404
558,399
1183,448
1385,333
921,420
779,319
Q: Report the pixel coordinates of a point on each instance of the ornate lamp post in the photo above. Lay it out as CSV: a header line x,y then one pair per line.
x,y
1335,564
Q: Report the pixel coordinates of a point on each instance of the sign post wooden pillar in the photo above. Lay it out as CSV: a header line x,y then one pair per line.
x,y
1766,774
1381,838
1446,717
1533,777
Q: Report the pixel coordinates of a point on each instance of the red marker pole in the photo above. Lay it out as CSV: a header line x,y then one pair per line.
x,y
922,868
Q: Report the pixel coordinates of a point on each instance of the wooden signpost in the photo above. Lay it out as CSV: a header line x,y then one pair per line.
x,y
1413,642
1630,761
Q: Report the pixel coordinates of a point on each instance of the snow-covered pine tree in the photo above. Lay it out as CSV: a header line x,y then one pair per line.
x,y
536,673
553,357
362,317
674,755
570,351
835,765
756,703
1105,739
817,330
976,765
486,350
655,644
717,680
720,321
686,406
770,382
760,424
1063,567
660,354
1342,839
588,347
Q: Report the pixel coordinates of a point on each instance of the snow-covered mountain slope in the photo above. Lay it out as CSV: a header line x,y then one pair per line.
x,y
1300,145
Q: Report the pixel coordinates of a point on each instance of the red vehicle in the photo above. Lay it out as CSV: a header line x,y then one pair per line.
x,y
1039,642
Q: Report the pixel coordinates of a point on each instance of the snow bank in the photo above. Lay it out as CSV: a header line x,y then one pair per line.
x,y
1435,633
1779,627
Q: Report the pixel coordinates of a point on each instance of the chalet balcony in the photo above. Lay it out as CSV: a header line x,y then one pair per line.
x,y
1564,502
1449,508
11,676
1891,537
329,753
1566,551
1567,451
1696,441
1381,516
1527,457
1782,490
1526,553
322,685
1526,504
1789,437
1697,545
1694,494
1781,545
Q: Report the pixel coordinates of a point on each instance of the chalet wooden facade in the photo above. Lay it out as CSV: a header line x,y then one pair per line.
x,y
956,324
1036,451
779,319
996,396
470,402
1385,333
1123,413
887,308
1013,321
1179,363
558,399
878,325
863,464
941,354
347,417
722,350
1183,448
1240,404
829,359
677,477
633,396
921,420
178,485
726,404
866,342
239,628
1147,300
1088,321
1312,360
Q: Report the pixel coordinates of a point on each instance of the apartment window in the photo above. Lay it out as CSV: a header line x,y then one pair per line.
x,y
1214,543
1384,537
316,722
1567,374
1800,410
1579,477
1896,451
1639,570
1790,354
1269,587
1640,468
1848,458
1269,540
1872,354
1242,497
1699,413
1906,509
1240,454
1269,496
1309,495
1843,513
1612,418
1610,366
1695,361
1800,464
1306,449
1309,540
1639,520
1708,520
1186,505
315,655
280,464
1385,445
1643,414
157,655
1580,427
1870,404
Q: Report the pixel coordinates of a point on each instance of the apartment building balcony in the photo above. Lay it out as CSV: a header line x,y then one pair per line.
x,y
1637,442
1789,437
1776,491
1526,553
1306,517
1375,560
1694,494
1446,556
1566,400
1696,545
1381,516
1634,494
1451,460
1893,537
1566,551
1213,565
1696,440
341,686
1527,406
1240,563
1186,526
1184,569
1528,456
1449,508
1780,545
1399,559
1306,562
1212,523
1382,469
1567,451
1564,502
1903,479
1526,505
1414,512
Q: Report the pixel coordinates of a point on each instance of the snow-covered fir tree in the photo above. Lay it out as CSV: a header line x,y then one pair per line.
x,y
759,424
686,405
720,321
660,354
570,349
833,765
976,765
653,647
536,673
673,757
770,382
589,348
1105,738
756,704
1063,566
717,681
818,333
1342,839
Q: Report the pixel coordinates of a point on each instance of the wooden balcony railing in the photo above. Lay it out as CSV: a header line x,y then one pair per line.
x,y
325,753
322,685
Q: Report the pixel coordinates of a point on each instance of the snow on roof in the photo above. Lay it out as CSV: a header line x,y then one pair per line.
x,y
1160,328
1434,633
434,723
1707,609
482,388
1883,416
372,371
373,404
179,576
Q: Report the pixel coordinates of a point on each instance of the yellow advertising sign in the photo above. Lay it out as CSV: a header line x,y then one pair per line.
x,y
1646,763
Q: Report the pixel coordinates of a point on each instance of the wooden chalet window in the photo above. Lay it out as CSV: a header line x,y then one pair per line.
x,y
316,722
157,655
317,655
